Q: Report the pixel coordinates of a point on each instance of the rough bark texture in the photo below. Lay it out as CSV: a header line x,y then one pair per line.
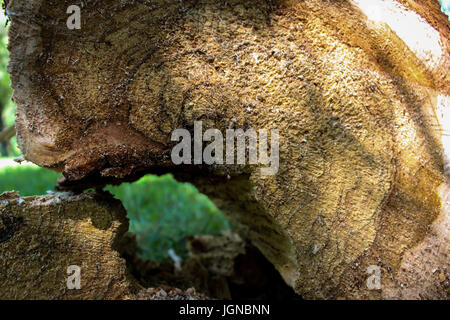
x,y
40,237
358,105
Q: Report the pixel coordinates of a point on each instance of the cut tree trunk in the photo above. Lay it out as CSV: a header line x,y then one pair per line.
x,y
42,236
360,101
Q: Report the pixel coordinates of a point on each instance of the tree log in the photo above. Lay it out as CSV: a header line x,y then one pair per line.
x,y
361,106
42,236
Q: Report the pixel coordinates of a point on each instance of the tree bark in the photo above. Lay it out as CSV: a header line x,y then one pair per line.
x,y
361,109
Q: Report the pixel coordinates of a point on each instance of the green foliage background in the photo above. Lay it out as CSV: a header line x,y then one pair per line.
x,y
163,212
7,107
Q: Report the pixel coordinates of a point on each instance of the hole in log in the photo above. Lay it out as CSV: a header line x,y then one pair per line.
x,y
182,240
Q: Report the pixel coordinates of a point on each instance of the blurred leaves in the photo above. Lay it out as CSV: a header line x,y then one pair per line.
x,y
27,180
164,212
